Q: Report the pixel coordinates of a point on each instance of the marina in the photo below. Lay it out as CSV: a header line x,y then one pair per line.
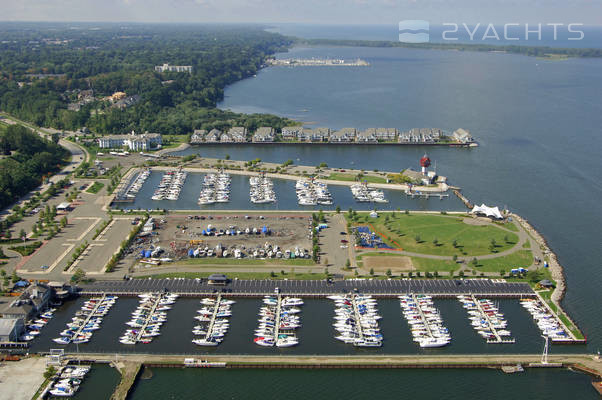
x,y
285,194
425,321
356,320
261,190
87,320
170,186
486,319
311,193
549,324
148,317
133,189
278,321
213,321
215,188
362,193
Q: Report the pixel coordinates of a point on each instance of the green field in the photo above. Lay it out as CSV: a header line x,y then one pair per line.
x,y
95,188
417,233
522,258
352,178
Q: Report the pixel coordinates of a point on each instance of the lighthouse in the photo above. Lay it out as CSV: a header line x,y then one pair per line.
x,y
425,162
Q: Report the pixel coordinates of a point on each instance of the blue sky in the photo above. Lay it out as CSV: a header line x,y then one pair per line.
x,y
588,12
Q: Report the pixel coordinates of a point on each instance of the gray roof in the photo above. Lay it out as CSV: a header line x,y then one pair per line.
x,y
218,277
7,325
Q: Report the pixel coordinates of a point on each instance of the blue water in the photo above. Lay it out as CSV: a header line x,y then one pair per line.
x,y
592,35
537,122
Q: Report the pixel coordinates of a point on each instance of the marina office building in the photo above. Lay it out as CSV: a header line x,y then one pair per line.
x,y
132,141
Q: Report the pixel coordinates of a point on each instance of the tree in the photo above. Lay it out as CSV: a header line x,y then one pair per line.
x,y
455,244
78,275
22,234
2,255
455,258
475,262
347,263
372,271
50,372
461,274
338,209
14,277
417,238
436,242
63,222
502,272
55,137
388,273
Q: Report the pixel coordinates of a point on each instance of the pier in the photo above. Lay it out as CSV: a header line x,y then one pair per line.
x,y
498,339
148,318
277,323
90,315
213,316
356,312
423,317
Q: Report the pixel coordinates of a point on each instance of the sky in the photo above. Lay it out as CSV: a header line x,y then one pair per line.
x,y
588,12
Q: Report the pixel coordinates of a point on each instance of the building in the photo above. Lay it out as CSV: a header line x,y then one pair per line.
x,y
344,135
11,329
313,135
366,136
198,136
127,101
265,134
213,136
462,135
28,305
386,134
291,132
225,138
173,68
134,142
238,134
217,279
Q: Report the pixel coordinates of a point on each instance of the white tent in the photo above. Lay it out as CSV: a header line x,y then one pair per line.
x,y
488,211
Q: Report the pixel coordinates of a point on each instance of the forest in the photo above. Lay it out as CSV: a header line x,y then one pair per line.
x,y
45,67
25,158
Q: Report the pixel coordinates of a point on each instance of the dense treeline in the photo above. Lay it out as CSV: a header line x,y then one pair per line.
x,y
110,58
26,158
537,51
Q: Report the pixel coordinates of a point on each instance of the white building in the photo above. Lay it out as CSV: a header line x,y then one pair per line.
x,y
265,134
173,68
238,134
133,142
462,136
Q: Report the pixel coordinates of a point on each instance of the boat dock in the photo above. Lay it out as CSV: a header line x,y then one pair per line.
x,y
218,301
278,312
426,195
91,314
356,312
466,202
498,338
148,318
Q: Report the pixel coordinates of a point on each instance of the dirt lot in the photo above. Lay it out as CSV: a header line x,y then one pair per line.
x,y
177,234
394,263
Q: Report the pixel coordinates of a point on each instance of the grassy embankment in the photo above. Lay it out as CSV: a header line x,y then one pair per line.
x,y
95,188
243,275
337,176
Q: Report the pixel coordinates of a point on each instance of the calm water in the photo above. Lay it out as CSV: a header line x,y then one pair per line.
x,y
362,384
285,195
99,383
316,335
537,123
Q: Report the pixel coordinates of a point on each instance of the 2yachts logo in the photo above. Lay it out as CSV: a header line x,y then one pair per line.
x,y
418,31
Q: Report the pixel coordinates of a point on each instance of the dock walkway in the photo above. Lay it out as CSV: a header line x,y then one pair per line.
x,y
357,317
148,318
213,316
90,315
498,338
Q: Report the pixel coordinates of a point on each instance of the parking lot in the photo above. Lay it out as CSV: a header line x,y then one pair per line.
x,y
438,287
177,234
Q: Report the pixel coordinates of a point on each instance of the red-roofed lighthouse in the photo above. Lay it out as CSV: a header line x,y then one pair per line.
x,y
425,162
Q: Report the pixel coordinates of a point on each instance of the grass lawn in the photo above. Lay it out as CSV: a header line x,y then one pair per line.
x,y
546,294
240,275
27,249
95,188
244,261
402,230
522,258
429,265
351,177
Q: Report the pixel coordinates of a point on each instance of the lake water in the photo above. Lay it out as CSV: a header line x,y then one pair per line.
x,y
286,198
352,384
537,123
316,335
